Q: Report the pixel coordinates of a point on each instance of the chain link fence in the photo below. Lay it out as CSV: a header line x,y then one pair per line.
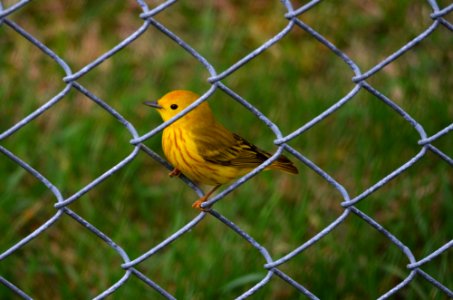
x,y
272,266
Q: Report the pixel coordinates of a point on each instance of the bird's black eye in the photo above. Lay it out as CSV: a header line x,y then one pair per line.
x,y
174,106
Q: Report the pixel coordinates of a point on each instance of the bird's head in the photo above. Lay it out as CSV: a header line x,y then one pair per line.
x,y
174,102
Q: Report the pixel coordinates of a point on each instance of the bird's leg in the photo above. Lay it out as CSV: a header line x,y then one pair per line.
x,y
174,172
197,204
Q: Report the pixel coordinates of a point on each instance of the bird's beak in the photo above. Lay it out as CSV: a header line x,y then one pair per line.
x,y
153,104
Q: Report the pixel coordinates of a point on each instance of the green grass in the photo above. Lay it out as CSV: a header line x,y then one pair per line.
x,y
76,141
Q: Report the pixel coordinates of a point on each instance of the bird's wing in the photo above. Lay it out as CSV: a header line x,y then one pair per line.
x,y
218,145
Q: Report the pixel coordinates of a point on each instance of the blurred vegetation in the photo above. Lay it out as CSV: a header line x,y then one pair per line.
x,y
76,141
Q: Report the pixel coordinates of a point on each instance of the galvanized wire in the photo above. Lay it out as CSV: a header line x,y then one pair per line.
x,y
272,265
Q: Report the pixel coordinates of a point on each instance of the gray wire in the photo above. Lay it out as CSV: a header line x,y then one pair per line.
x,y
271,265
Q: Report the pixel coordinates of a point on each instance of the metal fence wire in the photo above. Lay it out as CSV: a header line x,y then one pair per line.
x,y
272,266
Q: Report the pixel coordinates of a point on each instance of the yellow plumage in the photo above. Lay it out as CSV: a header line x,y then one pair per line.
x,y
204,150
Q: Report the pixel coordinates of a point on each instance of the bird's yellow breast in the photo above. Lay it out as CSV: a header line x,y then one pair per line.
x,y
180,148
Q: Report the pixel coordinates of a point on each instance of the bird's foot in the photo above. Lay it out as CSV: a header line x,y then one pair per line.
x,y
174,172
197,204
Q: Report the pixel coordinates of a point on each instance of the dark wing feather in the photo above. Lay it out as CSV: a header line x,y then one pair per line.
x,y
222,147
250,155
219,146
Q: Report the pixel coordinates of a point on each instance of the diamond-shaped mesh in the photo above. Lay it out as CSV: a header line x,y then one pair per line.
x,y
272,266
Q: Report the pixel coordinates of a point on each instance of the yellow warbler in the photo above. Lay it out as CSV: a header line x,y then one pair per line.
x,y
203,149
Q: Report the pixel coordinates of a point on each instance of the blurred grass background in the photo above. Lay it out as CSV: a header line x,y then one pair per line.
x,y
295,80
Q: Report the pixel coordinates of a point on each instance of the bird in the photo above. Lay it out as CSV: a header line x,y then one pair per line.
x,y
202,149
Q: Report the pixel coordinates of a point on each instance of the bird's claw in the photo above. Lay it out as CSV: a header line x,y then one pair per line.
x,y
174,172
197,204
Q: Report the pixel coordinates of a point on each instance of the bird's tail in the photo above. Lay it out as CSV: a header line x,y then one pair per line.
x,y
284,164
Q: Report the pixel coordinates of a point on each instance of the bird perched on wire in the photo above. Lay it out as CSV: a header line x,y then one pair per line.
x,y
205,151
